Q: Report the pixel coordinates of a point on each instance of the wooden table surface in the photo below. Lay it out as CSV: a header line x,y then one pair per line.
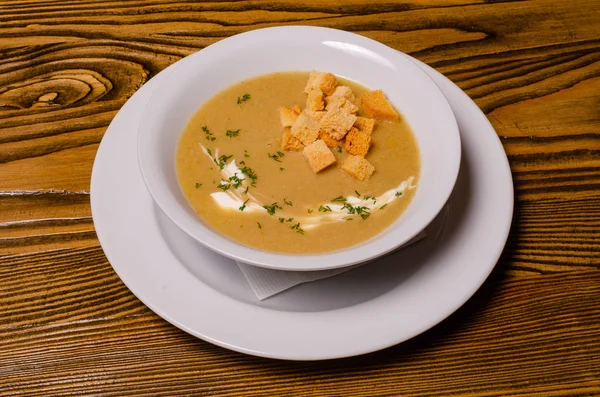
x,y
68,325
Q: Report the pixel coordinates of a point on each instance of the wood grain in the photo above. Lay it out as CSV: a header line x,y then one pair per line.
x,y
69,326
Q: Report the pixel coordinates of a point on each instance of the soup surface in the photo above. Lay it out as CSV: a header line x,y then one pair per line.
x,y
235,175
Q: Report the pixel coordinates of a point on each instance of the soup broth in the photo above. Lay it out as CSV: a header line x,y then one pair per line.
x,y
279,204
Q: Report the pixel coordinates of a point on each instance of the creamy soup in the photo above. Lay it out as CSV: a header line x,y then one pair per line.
x,y
239,180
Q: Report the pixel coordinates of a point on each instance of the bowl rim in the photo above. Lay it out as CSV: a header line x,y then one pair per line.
x,y
359,253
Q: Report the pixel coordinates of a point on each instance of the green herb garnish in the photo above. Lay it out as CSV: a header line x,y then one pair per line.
x,y
398,194
339,199
357,193
289,219
232,133
207,134
209,152
250,174
223,186
243,98
383,206
277,156
281,220
339,149
246,154
287,202
297,228
222,161
243,207
198,185
237,182
324,209
310,211
281,169
259,225
362,211
272,208
246,191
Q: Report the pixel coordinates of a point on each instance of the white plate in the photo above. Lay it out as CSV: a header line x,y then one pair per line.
x,y
376,306
200,76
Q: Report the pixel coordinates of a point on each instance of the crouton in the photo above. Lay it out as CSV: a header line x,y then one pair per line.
x,y
305,128
326,82
337,122
289,142
318,115
375,105
341,102
357,142
358,167
314,101
319,156
344,91
288,116
365,124
329,141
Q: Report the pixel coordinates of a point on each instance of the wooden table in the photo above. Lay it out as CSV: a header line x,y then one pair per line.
x,y
68,325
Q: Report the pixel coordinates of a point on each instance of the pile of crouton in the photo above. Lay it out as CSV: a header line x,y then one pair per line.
x,y
330,120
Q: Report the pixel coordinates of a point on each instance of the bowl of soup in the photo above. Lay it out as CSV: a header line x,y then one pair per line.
x,y
299,148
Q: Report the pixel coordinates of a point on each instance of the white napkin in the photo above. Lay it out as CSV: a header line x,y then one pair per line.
x,y
266,282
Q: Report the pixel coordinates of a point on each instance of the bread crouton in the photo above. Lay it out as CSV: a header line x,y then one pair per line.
x,y
314,101
326,82
341,102
337,122
305,128
357,142
344,91
329,141
319,156
376,105
289,142
358,167
318,114
288,116
365,124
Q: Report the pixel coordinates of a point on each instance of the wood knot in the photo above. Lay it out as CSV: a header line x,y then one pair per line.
x,y
60,88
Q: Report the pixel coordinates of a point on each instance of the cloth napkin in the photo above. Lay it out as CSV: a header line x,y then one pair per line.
x,y
267,282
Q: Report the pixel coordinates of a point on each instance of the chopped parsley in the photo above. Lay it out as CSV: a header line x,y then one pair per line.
x,y
339,199
209,152
250,174
246,191
362,211
370,198
297,228
198,185
272,208
289,219
246,154
324,209
222,161
259,225
277,156
237,182
357,193
281,169
349,219
243,98
281,220
207,134
243,207
310,211
232,133
339,149
383,206
224,186
398,194
287,202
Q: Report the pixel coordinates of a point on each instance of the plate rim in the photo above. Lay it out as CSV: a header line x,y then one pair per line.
x,y
351,350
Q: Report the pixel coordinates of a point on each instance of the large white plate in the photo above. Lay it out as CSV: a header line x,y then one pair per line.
x,y
378,305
